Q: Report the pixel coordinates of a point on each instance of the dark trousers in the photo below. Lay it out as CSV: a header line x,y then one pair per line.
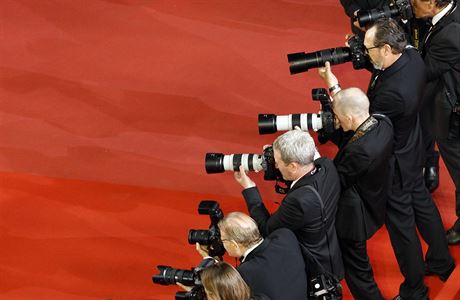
x,y
358,270
431,228
404,210
431,157
450,153
400,222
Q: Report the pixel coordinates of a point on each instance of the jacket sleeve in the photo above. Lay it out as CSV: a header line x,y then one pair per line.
x,y
350,7
289,214
443,52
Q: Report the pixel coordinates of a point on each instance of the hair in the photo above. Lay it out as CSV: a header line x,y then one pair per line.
x,y
241,228
387,31
224,282
442,3
351,101
296,146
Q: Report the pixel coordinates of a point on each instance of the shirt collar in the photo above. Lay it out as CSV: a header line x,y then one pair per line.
x,y
441,14
246,253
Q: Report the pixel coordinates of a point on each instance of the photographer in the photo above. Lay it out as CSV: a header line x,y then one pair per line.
x,y
272,266
395,90
441,54
364,163
222,282
301,210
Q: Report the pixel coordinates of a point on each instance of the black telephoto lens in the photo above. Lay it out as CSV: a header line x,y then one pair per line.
x,y
201,237
302,62
214,163
267,123
170,276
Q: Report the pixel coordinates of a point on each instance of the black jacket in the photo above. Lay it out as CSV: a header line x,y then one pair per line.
x,y
275,268
350,6
365,167
300,211
397,93
441,54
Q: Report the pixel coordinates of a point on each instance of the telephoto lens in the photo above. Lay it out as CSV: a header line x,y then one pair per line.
x,y
168,276
269,123
219,163
302,62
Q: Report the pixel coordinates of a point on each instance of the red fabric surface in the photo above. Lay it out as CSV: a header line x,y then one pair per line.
x,y
107,109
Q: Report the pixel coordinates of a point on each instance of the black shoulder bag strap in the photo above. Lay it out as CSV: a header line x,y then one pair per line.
x,y
323,221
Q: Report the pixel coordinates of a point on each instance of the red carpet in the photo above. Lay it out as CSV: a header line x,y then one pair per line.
x,y
106,111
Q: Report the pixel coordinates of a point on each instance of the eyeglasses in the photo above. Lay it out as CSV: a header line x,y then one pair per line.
x,y
225,240
366,50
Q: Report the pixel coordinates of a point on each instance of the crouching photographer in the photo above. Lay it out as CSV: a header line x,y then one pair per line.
x,y
221,281
271,266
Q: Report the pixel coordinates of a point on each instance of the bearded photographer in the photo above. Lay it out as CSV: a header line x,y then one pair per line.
x,y
441,54
365,166
395,90
311,218
272,266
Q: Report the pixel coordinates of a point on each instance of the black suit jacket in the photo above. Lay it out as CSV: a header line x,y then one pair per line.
x,y
300,211
397,93
276,267
441,54
365,168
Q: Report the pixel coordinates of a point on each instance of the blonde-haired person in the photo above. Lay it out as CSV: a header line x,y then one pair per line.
x,y
223,282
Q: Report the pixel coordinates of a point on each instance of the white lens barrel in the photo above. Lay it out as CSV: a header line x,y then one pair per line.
x,y
250,162
305,121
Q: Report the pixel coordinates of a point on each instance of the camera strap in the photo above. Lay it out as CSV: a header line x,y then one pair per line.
x,y
323,226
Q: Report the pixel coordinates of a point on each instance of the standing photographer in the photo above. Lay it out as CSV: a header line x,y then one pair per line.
x,y
441,53
364,163
310,218
395,90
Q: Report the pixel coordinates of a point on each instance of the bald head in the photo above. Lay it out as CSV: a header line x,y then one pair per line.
x,y
351,101
241,228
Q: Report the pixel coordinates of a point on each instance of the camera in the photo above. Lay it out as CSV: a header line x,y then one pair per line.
x,y
210,237
168,276
302,62
397,8
322,122
219,163
197,293
325,288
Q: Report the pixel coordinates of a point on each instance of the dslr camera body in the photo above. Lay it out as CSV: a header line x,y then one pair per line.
x,y
210,237
169,276
325,287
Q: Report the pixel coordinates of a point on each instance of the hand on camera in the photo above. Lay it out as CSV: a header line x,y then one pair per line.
x,y
326,74
184,287
356,23
203,250
242,178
